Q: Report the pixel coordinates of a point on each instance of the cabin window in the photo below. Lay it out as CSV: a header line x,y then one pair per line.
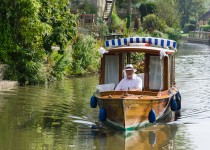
x,y
156,73
137,59
111,69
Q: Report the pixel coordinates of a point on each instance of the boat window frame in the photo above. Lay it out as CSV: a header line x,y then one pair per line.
x,y
172,69
103,64
165,72
167,80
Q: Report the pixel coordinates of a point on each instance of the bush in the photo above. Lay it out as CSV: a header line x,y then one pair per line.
x,y
193,22
117,25
159,34
57,65
189,27
173,34
205,28
85,56
26,71
152,22
147,8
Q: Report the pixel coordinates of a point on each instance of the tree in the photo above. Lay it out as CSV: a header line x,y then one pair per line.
x,y
129,4
167,10
28,29
147,8
87,8
64,24
190,10
21,39
135,3
128,14
152,22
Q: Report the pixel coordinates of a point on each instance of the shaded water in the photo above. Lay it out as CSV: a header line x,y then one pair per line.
x,y
59,117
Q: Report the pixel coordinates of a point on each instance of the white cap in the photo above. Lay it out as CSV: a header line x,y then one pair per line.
x,y
130,67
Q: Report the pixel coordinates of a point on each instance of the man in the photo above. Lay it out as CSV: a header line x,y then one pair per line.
x,y
131,82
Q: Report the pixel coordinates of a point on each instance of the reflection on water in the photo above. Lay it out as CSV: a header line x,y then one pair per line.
x,y
58,116
150,138
38,117
158,136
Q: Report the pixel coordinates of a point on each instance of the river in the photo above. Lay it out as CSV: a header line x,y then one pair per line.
x,y
59,117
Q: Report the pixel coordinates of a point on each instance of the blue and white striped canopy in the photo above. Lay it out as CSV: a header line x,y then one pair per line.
x,y
151,40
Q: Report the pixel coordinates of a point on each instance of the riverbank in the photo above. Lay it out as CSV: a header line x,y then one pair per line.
x,y
6,85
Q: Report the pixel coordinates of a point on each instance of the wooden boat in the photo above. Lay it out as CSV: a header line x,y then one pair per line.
x,y
130,110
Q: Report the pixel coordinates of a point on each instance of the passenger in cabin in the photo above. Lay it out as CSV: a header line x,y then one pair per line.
x,y
131,81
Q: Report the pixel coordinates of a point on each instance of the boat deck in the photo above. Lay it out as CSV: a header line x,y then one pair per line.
x,y
135,95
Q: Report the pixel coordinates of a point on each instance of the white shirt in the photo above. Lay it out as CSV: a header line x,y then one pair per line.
x,y
129,84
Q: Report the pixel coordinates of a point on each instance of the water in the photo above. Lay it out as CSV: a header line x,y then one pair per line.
x,y
192,75
59,116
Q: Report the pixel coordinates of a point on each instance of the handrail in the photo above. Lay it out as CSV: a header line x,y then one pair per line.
x,y
199,34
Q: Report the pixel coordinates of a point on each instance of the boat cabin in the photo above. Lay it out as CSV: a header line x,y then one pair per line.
x,y
155,65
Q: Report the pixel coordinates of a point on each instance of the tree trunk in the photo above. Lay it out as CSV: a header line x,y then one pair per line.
x,y
129,14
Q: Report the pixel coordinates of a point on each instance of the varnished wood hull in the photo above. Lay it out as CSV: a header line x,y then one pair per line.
x,y
131,112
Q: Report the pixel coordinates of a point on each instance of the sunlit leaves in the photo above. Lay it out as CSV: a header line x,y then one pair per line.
x,y
84,55
26,27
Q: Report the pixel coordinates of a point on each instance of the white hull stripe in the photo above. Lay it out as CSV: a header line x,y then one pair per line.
x,y
151,40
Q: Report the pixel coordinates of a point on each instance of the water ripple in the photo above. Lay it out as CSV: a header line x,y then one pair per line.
x,y
192,75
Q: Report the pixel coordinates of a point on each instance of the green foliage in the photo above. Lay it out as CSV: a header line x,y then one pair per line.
x,y
87,8
85,56
173,34
189,27
209,22
205,28
192,9
28,29
146,9
25,70
159,34
140,32
137,57
123,3
57,65
151,22
104,28
21,46
193,21
138,61
167,10
64,25
117,25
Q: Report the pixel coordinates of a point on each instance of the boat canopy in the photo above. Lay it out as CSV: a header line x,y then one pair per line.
x,y
161,42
